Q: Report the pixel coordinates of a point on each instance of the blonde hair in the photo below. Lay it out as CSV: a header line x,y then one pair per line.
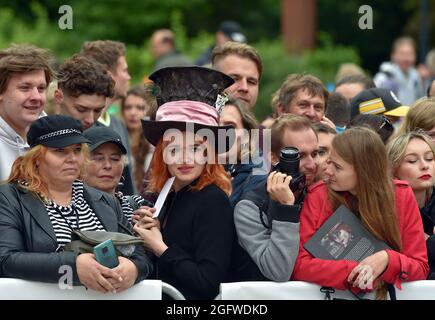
x,y
242,50
420,116
25,169
365,151
348,69
396,149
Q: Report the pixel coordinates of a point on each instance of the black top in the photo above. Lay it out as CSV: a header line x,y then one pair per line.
x,y
428,218
428,215
198,228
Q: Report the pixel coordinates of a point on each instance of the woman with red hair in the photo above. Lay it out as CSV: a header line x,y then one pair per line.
x,y
194,243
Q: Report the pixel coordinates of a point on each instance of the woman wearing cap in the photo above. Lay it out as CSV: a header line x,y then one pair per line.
x,y
412,159
42,203
104,169
194,244
358,177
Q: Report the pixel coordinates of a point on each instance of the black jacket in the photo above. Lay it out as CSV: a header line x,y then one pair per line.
x,y
428,218
28,241
198,228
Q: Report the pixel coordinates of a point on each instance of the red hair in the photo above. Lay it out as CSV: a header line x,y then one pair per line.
x,y
25,169
212,173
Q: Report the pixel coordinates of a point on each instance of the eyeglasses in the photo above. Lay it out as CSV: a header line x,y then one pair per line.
x,y
386,125
386,129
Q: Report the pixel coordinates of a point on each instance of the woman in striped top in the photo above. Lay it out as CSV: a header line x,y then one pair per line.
x,y
44,201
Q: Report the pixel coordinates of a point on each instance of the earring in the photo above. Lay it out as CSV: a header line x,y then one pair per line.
x,y
121,182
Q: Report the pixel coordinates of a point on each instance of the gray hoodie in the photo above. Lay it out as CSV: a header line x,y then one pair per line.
x,y
12,145
408,87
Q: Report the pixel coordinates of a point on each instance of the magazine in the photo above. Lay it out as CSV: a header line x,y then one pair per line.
x,y
343,237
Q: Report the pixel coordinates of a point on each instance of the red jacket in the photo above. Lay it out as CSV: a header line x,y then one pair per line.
x,y
408,265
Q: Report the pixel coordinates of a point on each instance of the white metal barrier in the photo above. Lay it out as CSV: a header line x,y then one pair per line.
x,y
299,290
417,290
17,289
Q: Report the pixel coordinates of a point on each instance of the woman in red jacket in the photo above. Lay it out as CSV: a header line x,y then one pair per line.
x,y
357,175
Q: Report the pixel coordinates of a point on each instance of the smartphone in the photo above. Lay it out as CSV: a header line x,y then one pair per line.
x,y
105,254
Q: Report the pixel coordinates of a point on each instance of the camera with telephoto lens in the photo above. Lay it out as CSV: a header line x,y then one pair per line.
x,y
289,164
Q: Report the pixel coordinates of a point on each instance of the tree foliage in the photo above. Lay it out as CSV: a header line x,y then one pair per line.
x,y
195,21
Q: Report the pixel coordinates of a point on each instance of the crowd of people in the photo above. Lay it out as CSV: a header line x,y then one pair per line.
x,y
245,197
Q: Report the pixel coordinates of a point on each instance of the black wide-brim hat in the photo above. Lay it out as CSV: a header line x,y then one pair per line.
x,y
188,100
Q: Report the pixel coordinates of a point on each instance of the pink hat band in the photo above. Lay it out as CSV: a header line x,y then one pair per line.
x,y
188,111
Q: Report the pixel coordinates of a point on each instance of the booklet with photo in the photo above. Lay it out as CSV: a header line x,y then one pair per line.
x,y
343,237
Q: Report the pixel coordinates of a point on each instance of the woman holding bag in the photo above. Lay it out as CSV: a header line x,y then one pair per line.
x,y
44,201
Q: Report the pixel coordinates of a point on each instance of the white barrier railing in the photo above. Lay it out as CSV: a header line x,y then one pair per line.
x,y
299,290
17,289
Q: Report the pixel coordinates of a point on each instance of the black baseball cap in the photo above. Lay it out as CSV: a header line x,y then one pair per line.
x,y
232,30
100,135
55,131
377,101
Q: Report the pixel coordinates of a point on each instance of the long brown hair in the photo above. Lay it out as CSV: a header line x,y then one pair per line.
x,y
375,205
212,173
142,147
25,169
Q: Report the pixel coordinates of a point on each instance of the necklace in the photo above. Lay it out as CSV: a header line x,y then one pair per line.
x,y
73,210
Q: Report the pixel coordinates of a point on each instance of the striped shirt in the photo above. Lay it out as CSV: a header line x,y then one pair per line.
x,y
77,215
127,209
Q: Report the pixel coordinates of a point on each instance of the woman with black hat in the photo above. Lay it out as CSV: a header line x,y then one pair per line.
x,y
44,201
193,246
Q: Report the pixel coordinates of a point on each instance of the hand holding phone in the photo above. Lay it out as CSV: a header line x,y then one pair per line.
x,y
105,254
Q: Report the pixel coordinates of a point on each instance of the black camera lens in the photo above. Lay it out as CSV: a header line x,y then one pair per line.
x,y
289,161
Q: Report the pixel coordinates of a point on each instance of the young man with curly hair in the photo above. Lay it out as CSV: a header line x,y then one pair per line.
x,y
112,56
83,87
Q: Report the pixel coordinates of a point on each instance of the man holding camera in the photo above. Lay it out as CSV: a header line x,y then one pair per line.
x,y
267,218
